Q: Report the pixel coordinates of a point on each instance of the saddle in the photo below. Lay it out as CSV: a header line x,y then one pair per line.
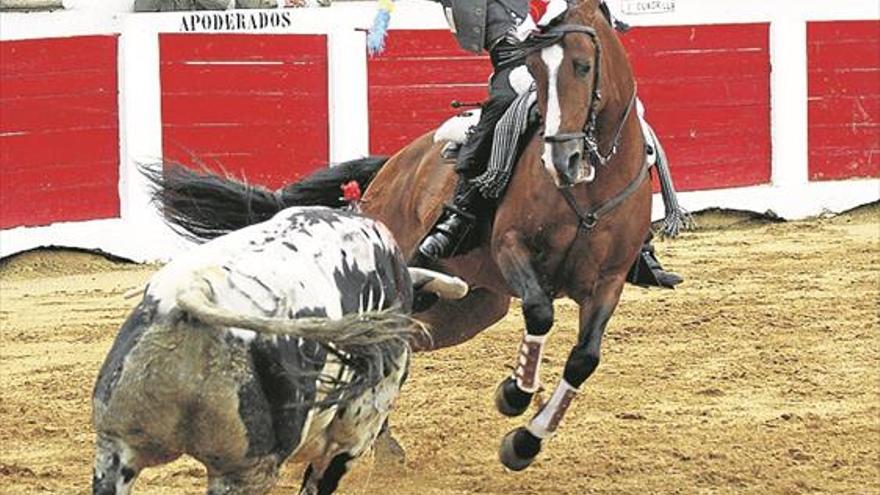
x,y
512,133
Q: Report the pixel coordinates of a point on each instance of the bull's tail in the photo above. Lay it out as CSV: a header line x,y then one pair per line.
x,y
204,205
350,331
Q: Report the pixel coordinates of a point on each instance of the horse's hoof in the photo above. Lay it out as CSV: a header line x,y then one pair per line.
x,y
510,400
388,451
518,449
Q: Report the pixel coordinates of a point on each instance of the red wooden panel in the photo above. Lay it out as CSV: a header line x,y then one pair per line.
x,y
216,108
707,90
844,107
187,48
413,82
859,31
842,82
41,152
90,82
61,111
860,136
54,55
253,105
831,56
720,38
707,94
59,131
847,111
703,63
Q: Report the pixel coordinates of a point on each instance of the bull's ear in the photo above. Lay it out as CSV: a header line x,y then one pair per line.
x,y
445,286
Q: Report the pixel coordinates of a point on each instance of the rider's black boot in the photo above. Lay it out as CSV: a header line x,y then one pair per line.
x,y
647,271
454,224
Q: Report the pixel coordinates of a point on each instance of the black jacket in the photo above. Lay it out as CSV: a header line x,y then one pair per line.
x,y
479,24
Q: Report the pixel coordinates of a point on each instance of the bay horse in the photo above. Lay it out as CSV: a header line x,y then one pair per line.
x,y
570,224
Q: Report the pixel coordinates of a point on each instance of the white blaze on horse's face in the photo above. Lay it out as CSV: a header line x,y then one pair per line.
x,y
552,57
563,158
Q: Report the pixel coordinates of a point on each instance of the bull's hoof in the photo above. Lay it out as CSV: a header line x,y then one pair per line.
x,y
518,449
388,451
510,400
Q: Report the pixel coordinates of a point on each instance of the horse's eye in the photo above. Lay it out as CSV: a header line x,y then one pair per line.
x,y
582,68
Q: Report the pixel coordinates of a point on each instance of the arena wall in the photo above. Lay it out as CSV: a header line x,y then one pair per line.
x,y
761,105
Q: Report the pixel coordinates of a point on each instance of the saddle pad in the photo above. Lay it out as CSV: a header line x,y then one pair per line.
x,y
456,128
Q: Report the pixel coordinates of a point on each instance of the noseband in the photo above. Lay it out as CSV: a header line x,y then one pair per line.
x,y
591,129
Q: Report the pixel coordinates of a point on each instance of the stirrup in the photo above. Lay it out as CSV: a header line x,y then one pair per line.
x,y
445,238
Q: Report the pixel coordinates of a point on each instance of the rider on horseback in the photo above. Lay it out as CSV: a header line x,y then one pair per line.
x,y
497,26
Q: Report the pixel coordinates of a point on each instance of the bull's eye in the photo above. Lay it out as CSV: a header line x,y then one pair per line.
x,y
581,68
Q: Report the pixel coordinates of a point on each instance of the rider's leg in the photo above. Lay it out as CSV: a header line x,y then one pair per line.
x,y
648,272
458,217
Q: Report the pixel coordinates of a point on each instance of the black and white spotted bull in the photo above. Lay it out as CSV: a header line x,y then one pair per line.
x,y
286,339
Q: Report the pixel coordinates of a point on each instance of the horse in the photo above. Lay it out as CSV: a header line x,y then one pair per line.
x,y
570,223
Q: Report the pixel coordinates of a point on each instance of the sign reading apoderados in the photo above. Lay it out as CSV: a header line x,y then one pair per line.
x,y
235,21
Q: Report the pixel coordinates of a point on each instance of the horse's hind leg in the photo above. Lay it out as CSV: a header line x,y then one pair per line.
x,y
514,394
455,321
520,446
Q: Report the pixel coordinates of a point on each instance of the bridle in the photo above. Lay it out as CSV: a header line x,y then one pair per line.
x,y
590,132
588,218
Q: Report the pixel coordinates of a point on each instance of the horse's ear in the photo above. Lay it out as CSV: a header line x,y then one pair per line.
x,y
586,9
587,5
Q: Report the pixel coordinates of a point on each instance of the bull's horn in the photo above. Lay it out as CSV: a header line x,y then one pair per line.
x,y
445,286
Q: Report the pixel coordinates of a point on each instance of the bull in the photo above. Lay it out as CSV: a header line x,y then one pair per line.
x,y
288,339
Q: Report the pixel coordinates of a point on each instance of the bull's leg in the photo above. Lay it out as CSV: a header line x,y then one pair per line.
x,y
520,446
514,394
115,467
256,479
324,480
388,450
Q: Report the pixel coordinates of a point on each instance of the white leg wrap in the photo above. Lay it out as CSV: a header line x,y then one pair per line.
x,y
544,424
528,363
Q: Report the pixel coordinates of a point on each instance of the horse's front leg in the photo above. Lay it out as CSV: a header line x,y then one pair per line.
x,y
515,392
520,447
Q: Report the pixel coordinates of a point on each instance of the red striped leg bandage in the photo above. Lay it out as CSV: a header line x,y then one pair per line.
x,y
528,363
544,424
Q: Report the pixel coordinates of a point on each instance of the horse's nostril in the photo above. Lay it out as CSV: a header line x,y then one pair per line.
x,y
574,160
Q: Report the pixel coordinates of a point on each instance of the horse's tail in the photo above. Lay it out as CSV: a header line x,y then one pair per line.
x,y
321,188
204,205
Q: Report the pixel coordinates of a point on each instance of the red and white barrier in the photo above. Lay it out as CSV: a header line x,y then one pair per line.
x,y
761,105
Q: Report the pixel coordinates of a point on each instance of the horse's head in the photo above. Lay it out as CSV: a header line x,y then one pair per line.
x,y
565,61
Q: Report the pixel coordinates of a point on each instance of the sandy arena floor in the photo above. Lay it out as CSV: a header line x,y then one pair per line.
x,y
759,376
